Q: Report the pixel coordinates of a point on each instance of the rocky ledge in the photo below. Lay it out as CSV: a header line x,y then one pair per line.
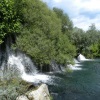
x,y
41,93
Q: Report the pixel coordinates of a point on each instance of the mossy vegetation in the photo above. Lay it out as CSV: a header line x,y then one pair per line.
x,y
11,86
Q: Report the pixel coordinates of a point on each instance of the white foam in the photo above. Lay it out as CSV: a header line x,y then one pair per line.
x,y
35,78
77,65
89,60
74,67
16,62
81,58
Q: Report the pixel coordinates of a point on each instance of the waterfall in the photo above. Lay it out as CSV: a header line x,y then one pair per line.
x,y
23,63
81,57
17,61
76,61
76,66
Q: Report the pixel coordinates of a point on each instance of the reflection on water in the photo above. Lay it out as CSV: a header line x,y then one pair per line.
x,y
78,85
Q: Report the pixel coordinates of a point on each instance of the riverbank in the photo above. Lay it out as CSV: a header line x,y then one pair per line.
x,y
15,88
12,86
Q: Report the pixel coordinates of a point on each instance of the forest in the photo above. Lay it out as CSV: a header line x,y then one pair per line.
x,y
46,34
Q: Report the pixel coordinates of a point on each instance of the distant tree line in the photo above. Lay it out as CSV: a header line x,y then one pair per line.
x,y
87,42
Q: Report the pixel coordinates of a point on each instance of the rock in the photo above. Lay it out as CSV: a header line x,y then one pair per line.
x,y
41,93
22,97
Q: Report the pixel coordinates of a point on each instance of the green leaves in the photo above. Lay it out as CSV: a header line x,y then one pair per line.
x,y
42,37
9,20
43,32
95,49
66,23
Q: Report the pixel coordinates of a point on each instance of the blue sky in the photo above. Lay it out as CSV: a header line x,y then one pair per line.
x,y
82,12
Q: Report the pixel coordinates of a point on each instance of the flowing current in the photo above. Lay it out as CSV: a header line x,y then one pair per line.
x,y
26,68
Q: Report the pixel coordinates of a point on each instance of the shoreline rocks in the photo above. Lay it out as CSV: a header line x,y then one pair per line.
x,y
42,93
22,97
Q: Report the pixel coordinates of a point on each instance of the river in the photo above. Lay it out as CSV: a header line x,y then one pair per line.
x,y
78,85
83,83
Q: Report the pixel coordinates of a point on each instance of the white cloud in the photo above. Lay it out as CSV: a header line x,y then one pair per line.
x,y
82,12
90,5
84,22
57,1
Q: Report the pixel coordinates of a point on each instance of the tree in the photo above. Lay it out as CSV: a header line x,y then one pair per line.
x,y
41,37
92,35
9,20
78,39
95,49
66,23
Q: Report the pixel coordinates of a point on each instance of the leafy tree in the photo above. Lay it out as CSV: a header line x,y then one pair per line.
x,y
95,49
43,32
78,39
66,23
9,21
42,37
86,41
92,35
65,50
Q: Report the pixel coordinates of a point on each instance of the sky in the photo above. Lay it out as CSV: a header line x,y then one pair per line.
x,y
83,13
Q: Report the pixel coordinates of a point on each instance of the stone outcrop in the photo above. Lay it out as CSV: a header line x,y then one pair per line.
x,y
41,93
22,97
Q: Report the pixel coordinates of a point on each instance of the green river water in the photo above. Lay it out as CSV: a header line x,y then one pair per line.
x,y
78,85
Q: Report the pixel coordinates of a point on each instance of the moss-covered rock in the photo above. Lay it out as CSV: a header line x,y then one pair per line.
x,y
10,89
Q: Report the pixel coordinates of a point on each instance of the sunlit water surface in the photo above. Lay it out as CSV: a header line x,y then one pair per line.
x,y
79,85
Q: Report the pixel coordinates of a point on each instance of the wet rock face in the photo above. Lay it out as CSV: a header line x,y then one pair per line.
x,y
41,93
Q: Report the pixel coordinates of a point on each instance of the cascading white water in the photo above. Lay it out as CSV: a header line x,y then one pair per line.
x,y
19,63
75,61
76,66
81,57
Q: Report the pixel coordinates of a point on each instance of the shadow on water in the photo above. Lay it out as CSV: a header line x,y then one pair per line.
x,y
79,85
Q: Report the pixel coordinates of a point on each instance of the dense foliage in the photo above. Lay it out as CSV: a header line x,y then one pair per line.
x,y
42,37
66,23
87,42
9,20
46,35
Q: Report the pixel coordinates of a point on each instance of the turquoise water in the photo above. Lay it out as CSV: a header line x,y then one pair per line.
x,y
80,84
